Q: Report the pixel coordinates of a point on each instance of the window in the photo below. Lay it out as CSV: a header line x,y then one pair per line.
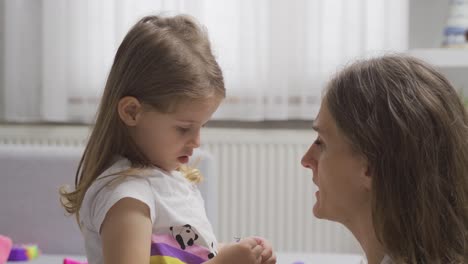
x,y
276,54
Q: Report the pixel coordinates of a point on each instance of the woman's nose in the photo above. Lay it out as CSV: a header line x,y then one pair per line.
x,y
309,160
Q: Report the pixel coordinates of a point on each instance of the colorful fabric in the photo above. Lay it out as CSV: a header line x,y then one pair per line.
x,y
166,250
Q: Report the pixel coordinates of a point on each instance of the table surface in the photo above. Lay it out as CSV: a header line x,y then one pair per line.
x,y
283,258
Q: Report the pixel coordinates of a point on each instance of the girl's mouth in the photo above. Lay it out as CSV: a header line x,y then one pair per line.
x,y
183,159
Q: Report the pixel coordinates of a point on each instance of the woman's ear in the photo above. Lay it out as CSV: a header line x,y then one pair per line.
x,y
130,110
367,178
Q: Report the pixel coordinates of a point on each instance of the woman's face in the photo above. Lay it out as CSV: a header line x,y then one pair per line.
x,y
340,174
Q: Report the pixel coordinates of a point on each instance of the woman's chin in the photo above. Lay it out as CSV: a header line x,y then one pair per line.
x,y
320,212
316,211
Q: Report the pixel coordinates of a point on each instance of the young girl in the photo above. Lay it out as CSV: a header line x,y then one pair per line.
x,y
391,161
131,199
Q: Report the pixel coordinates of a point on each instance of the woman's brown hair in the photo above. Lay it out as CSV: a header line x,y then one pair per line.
x,y
408,121
162,61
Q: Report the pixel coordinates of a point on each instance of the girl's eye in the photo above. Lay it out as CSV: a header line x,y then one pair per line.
x,y
183,129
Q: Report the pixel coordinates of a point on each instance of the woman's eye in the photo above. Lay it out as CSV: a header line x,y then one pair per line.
x,y
318,142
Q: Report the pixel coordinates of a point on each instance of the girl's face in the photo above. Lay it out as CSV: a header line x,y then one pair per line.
x,y
168,140
339,173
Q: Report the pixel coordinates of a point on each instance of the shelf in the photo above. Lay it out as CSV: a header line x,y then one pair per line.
x,y
442,57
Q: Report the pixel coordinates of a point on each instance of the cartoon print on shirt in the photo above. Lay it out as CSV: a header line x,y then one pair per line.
x,y
213,252
184,235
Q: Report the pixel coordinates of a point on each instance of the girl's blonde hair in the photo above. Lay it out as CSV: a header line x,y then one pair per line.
x,y
163,62
410,124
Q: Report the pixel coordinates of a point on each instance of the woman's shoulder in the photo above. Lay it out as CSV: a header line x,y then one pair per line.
x,y
386,260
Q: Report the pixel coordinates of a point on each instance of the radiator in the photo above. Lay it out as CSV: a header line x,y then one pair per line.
x,y
262,188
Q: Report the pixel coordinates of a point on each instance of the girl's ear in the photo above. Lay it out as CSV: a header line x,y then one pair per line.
x,y
130,110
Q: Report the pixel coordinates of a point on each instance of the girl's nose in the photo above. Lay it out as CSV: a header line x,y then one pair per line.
x,y
195,141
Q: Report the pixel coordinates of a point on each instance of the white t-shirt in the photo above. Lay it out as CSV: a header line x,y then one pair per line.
x,y
180,226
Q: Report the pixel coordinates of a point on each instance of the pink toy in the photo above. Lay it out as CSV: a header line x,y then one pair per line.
x,y
5,248
71,261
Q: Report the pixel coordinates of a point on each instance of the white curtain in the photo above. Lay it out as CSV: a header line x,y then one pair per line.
x,y
276,54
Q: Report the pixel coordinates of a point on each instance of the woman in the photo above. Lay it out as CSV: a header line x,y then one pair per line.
x,y
391,161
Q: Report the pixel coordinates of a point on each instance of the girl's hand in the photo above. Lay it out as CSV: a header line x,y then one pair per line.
x,y
268,256
246,251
